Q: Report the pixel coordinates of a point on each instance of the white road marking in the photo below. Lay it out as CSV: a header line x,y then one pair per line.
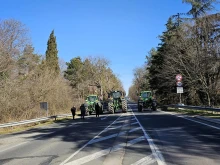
x,y
103,118
121,121
145,161
107,137
101,153
32,139
98,139
200,122
192,120
13,147
111,128
71,156
156,152
135,129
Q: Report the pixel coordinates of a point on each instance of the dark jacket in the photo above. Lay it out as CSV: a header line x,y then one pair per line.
x,y
73,110
83,110
97,108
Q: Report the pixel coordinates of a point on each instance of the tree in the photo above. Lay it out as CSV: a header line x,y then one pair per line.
x,y
52,54
13,39
200,7
28,61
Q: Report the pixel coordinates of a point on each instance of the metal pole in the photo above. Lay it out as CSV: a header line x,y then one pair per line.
x,y
47,109
180,99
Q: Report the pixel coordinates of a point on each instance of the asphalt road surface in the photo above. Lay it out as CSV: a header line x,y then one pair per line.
x,y
132,138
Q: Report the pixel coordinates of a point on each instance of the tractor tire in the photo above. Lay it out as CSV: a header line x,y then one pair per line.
x,y
124,106
111,108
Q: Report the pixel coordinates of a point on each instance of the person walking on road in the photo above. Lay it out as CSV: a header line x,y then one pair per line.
x,y
83,111
97,109
73,110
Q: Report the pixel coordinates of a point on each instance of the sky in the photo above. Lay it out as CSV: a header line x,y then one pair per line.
x,y
123,31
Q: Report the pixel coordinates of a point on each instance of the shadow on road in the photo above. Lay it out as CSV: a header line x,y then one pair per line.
x,y
178,139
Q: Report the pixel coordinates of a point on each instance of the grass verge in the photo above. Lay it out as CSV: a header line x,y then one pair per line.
x,y
189,112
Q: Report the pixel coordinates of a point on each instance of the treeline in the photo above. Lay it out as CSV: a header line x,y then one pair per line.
x,y
190,47
28,78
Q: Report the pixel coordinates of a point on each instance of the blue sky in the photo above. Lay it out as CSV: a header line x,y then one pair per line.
x,y
123,31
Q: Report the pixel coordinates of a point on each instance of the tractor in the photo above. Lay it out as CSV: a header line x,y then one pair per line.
x,y
117,102
91,100
146,101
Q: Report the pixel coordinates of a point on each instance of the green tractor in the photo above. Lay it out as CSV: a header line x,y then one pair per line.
x,y
146,101
117,102
91,100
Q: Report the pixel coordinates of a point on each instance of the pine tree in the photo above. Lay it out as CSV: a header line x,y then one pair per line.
x,y
52,54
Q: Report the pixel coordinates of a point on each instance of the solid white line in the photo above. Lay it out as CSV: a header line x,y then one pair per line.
x,y
145,161
192,120
156,152
13,146
104,152
32,139
71,156
199,122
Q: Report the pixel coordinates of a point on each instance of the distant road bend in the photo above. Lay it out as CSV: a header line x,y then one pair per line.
x,y
132,138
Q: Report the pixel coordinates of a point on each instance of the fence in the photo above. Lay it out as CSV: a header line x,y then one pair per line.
x,y
33,120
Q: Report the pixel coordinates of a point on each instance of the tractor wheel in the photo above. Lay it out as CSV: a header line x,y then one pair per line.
x,y
124,106
111,108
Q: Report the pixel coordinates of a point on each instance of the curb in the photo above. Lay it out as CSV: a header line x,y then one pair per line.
x,y
208,120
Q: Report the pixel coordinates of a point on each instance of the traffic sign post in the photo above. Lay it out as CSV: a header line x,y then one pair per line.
x,y
179,85
44,106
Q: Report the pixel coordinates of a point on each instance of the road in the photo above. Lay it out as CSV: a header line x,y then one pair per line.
x,y
149,138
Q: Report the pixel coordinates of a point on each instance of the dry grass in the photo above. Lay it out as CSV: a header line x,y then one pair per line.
x,y
20,98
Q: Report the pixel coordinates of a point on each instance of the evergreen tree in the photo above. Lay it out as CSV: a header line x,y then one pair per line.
x,y
52,54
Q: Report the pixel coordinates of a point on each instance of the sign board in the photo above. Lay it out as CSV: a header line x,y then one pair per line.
x,y
179,89
44,105
179,84
179,77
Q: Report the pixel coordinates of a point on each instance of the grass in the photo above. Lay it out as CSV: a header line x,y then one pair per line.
x,y
194,112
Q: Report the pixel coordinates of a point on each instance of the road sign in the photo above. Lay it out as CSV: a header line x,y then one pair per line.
x,y
179,84
179,89
179,77
44,105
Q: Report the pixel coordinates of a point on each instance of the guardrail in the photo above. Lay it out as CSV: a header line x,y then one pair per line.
x,y
193,107
33,120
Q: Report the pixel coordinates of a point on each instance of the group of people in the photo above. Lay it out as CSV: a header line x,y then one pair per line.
x,y
83,108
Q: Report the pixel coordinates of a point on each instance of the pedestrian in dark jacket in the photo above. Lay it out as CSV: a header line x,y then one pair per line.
x,y
73,110
83,111
97,109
